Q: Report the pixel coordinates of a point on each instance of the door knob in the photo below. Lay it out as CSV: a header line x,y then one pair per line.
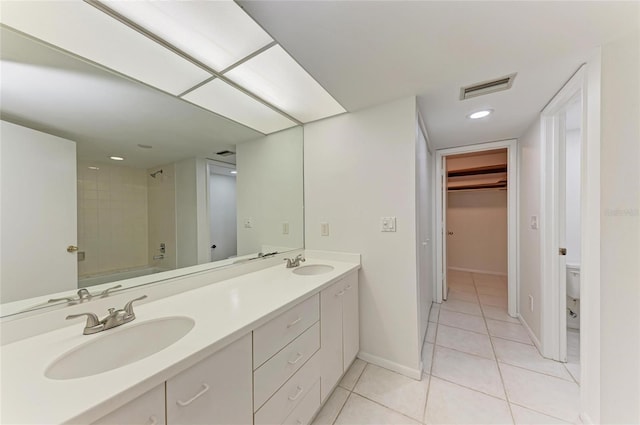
x,y
72,248
562,251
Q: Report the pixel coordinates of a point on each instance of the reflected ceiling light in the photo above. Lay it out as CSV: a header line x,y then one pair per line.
x,y
223,99
233,172
81,29
116,158
480,114
140,145
217,33
94,168
277,78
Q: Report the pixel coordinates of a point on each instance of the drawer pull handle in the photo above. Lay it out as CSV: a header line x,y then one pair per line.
x,y
295,397
205,388
153,420
299,356
341,293
294,322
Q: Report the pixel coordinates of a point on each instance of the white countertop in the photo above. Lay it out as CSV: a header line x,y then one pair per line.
x,y
223,312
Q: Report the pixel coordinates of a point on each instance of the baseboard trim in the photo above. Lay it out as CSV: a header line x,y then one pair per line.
x,y
387,364
461,269
533,337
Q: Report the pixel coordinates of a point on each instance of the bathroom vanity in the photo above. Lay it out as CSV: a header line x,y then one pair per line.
x,y
266,347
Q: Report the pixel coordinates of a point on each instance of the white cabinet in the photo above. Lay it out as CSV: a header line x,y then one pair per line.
x,y
218,390
148,409
339,336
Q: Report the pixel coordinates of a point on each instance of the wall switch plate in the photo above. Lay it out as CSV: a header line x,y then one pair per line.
x,y
285,228
531,303
324,229
534,222
248,223
387,224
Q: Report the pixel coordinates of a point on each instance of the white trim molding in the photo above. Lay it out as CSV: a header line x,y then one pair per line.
x,y
393,366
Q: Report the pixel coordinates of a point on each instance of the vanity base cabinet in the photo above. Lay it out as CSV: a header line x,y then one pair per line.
x,y
146,409
339,336
218,390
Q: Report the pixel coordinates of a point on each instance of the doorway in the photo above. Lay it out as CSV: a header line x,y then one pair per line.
x,y
222,210
466,183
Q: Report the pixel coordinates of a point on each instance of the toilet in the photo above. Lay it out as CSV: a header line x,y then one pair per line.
x,y
573,281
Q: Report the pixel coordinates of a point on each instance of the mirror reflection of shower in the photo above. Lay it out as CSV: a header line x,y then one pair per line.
x,y
154,174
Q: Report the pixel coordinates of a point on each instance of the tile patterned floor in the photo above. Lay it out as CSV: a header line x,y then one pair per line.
x,y
480,368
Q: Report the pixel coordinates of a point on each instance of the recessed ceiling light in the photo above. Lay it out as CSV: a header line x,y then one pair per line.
x,y
480,114
233,172
117,158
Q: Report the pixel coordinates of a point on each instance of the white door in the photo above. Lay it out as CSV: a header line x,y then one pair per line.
x,y
222,216
39,213
444,230
561,184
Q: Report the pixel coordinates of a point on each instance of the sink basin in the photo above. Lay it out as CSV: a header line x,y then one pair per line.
x,y
313,269
119,347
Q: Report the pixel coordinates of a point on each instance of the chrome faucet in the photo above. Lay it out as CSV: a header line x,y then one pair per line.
x,y
84,295
114,319
295,262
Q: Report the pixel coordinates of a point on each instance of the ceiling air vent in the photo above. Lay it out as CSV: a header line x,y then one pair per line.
x,y
486,87
225,153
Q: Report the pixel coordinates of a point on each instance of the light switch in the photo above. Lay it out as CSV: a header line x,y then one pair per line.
x,y
285,228
534,222
387,224
324,229
248,223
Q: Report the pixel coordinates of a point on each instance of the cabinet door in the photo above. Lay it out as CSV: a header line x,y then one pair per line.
x,y
218,390
331,337
148,409
350,320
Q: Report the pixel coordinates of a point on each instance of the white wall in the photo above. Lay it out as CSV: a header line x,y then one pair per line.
x,y
424,239
478,220
572,208
186,213
270,191
620,232
359,167
222,210
530,186
112,218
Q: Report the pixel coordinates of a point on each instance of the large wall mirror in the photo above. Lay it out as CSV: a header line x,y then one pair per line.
x,y
105,179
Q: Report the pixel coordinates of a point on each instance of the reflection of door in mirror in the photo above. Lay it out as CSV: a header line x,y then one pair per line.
x,y
38,213
222,210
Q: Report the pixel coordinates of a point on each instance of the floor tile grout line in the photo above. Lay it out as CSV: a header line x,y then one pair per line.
x,y
511,340
469,388
570,374
465,352
349,390
433,354
537,371
465,329
537,411
386,407
504,387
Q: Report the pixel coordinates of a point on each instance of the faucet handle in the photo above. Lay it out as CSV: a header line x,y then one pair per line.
x,y
128,307
92,319
106,291
84,294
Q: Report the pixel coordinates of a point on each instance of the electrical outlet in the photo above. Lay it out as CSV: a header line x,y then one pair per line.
x,y
387,224
285,228
324,229
531,303
534,222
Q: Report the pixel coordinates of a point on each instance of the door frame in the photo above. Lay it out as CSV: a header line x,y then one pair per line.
x,y
512,216
553,306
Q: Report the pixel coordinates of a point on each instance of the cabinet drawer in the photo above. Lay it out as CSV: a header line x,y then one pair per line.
x,y
269,338
275,371
303,413
215,391
148,409
285,400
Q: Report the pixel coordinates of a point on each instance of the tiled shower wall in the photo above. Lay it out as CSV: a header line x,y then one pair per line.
x,y
112,218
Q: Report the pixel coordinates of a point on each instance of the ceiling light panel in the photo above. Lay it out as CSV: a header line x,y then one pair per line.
x,y
223,99
82,29
217,33
274,76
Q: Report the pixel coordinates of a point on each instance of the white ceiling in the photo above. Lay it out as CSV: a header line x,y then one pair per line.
x,y
105,114
369,52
